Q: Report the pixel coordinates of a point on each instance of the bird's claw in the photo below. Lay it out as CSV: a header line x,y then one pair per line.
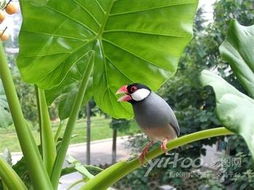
x,y
164,146
142,156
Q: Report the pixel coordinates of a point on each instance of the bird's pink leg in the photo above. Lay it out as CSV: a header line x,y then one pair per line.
x,y
144,152
164,145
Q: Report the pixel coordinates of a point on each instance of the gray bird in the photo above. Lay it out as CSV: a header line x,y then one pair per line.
x,y
152,113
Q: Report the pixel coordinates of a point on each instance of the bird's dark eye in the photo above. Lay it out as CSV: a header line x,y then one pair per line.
x,y
133,89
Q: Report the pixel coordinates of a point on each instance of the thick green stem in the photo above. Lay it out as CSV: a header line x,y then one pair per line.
x,y
10,177
47,138
70,125
37,170
114,173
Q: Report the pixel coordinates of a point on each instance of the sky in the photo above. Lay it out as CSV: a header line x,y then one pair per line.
x,y
208,8
12,22
206,3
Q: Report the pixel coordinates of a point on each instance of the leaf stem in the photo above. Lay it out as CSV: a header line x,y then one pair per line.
x,y
70,125
10,177
47,138
37,170
114,173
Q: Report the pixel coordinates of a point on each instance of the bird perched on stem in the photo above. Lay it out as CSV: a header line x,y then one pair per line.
x,y
152,113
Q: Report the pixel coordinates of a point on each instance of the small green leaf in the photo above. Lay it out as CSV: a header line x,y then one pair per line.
x,y
234,109
79,167
238,51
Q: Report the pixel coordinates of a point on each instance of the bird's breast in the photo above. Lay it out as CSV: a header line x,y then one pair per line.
x,y
151,112
160,133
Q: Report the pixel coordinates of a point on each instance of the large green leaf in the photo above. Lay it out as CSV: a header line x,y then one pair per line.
x,y
133,41
238,51
234,109
5,115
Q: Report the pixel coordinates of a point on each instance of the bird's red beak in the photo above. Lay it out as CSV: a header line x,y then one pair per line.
x,y
126,97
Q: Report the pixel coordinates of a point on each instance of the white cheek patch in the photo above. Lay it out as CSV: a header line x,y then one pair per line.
x,y
140,94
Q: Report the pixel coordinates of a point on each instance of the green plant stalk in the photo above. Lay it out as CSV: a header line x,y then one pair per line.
x,y
72,169
31,153
10,177
46,134
38,110
56,172
114,173
59,129
75,183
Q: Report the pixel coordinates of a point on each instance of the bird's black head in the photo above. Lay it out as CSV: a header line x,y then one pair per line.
x,y
133,93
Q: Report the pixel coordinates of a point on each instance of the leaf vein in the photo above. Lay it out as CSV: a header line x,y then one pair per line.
x,y
72,19
88,12
55,35
118,69
133,54
104,12
150,9
146,33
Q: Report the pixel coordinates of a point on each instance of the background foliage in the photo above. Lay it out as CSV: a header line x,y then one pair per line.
x,y
5,116
194,105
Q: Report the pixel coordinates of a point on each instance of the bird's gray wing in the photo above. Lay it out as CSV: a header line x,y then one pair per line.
x,y
168,111
173,122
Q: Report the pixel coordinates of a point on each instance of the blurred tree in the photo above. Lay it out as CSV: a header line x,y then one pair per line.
x,y
89,110
5,115
26,94
117,125
88,132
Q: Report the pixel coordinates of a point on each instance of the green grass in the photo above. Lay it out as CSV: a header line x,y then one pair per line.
x,y
99,130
